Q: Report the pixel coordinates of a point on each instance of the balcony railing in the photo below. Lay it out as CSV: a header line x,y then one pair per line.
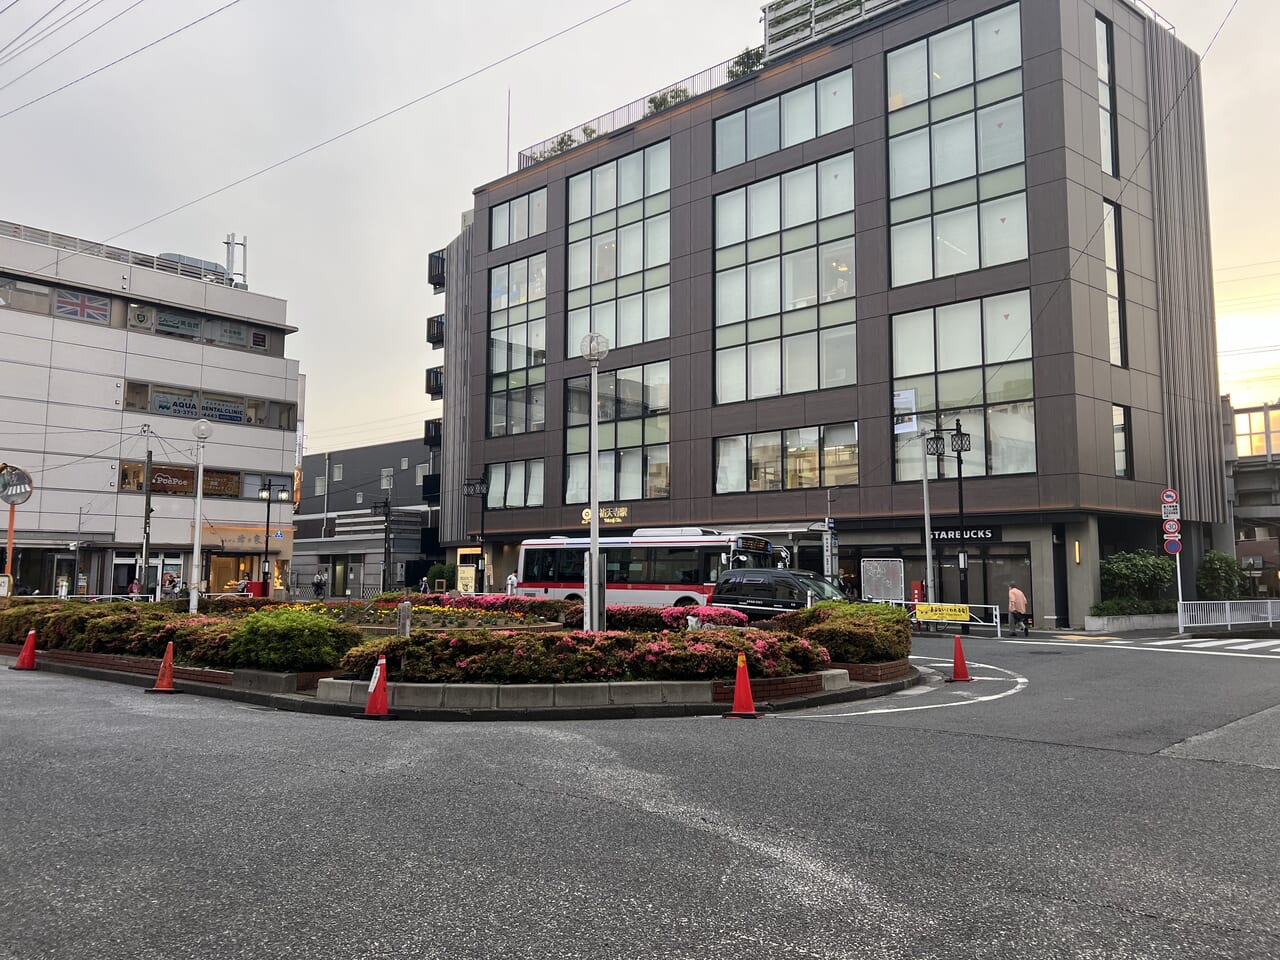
x,y
435,330
435,270
435,382
433,432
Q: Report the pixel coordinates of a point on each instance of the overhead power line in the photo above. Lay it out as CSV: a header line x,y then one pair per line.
x,y
119,60
63,50
48,13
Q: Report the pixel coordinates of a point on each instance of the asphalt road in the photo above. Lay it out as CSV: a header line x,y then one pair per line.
x,y
1070,802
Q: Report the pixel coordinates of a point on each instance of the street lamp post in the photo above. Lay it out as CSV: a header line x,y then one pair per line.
x,y
201,429
478,488
281,491
961,443
595,347
925,449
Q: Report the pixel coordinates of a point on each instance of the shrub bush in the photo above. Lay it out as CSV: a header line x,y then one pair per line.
x,y
851,632
135,629
289,639
510,657
1132,607
1220,577
1138,576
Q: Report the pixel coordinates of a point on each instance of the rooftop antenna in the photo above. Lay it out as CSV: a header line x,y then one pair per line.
x,y
237,278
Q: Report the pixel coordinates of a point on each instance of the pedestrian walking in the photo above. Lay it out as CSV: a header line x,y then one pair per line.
x,y
318,585
1018,609
512,580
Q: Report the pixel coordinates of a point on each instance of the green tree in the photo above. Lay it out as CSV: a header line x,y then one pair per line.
x,y
1138,576
1220,577
668,98
747,61
447,572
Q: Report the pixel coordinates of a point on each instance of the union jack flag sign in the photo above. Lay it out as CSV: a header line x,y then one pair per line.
x,y
82,306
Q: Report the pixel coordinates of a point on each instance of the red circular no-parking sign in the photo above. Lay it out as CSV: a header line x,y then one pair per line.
x,y
1173,547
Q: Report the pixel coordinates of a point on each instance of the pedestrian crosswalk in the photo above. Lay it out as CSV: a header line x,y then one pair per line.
x,y
1214,646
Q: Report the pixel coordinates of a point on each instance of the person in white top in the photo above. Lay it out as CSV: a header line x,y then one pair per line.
x,y
512,580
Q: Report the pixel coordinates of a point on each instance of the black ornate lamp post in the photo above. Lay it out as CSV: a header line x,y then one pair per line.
x,y
270,491
478,488
961,443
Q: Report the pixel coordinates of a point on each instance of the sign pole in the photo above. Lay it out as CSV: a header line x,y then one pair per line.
x,y
8,541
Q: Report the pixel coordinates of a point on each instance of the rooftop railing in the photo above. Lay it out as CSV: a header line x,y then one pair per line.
x,y
789,24
663,99
62,241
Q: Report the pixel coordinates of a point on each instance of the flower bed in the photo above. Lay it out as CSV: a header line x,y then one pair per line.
x,y
577,656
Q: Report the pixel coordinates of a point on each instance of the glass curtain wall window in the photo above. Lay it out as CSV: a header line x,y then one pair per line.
x,y
1107,96
957,176
785,288
970,360
1122,441
518,219
635,432
810,111
1111,238
806,457
514,484
620,250
518,347
1257,433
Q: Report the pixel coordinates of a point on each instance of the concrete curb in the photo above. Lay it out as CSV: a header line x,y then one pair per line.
x,y
299,703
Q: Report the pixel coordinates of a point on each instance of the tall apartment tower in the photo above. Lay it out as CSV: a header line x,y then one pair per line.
x,y
914,215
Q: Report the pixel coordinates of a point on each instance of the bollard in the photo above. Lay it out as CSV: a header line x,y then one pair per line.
x,y
404,616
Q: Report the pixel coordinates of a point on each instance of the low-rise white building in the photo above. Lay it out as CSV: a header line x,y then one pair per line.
x,y
106,354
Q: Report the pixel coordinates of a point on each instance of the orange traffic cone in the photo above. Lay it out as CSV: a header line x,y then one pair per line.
x,y
960,670
375,707
744,708
164,679
27,658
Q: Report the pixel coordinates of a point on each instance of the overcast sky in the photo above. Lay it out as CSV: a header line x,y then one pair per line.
x,y
343,233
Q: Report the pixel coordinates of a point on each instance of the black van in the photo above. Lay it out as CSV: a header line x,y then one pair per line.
x,y
763,592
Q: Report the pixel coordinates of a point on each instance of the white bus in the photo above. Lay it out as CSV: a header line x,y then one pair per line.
x,y
655,567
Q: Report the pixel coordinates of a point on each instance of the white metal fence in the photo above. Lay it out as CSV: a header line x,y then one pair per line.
x,y
980,614
1228,613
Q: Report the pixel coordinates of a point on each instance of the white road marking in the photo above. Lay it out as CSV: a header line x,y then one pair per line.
x,y
1257,646
1163,643
1147,648
966,696
1210,643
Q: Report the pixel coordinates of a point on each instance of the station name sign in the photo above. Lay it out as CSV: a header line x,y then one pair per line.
x,y
971,535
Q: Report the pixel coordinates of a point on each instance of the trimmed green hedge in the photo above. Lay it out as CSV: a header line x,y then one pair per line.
x,y
503,656
851,632
283,638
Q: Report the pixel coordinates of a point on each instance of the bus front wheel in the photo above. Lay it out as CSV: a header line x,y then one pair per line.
x,y
573,598
688,602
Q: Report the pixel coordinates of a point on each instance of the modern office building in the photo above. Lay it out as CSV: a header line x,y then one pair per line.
x,y
367,519
108,358
1254,478
914,215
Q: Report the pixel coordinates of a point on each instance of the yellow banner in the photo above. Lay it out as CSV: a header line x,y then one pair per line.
x,y
953,612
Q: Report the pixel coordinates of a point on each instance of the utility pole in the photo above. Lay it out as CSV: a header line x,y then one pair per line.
x,y
386,542
146,513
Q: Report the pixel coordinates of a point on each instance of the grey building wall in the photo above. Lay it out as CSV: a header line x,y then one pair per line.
x,y
1185,279
457,353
